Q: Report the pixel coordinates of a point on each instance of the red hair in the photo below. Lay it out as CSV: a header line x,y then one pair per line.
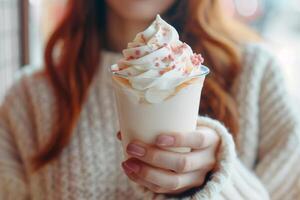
x,y
72,57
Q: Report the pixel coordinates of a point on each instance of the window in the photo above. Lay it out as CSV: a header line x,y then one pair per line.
x,y
10,56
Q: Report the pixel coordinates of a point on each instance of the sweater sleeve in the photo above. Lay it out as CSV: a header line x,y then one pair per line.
x,y
279,148
231,179
12,176
276,174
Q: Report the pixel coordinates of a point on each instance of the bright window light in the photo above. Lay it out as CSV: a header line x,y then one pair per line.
x,y
246,8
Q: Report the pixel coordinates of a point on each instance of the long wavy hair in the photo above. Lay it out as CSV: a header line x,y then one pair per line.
x,y
72,59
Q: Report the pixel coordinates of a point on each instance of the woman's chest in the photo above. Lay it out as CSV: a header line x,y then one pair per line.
x,y
90,166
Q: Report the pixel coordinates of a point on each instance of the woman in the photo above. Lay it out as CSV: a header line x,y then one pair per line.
x,y
58,125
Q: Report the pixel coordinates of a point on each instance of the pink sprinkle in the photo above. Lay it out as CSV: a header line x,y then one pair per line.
x,y
179,49
130,58
170,57
173,66
197,59
137,52
161,72
165,59
156,64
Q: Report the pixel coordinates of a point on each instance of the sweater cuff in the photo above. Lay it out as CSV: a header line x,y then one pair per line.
x,y
219,177
225,159
222,183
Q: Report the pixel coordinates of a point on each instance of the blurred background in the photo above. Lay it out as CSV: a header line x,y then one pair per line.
x,y
26,24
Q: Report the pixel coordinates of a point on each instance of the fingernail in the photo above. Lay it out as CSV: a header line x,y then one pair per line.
x,y
136,150
165,140
131,167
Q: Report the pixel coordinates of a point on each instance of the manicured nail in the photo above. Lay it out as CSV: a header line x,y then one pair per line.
x,y
165,140
135,150
131,167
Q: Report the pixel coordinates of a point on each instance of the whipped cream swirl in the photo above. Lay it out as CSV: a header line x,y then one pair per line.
x,y
157,62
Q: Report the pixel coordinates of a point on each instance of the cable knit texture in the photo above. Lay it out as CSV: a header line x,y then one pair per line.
x,y
264,166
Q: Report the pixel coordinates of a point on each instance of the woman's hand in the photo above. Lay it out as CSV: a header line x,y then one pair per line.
x,y
167,172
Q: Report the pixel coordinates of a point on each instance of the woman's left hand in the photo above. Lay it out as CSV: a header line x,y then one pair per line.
x,y
167,172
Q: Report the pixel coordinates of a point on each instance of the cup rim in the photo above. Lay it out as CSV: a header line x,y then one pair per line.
x,y
204,71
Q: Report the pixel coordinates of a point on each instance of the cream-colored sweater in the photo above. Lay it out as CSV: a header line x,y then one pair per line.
x,y
266,164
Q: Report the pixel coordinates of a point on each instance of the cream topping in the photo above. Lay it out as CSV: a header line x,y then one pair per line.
x,y
156,62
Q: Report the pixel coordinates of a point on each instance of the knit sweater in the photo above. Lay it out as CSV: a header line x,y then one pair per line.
x,y
265,165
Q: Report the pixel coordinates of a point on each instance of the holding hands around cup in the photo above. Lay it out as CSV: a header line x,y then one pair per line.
x,y
168,172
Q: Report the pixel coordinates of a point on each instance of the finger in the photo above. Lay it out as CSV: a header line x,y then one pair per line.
x,y
202,138
150,186
167,180
134,177
178,162
119,136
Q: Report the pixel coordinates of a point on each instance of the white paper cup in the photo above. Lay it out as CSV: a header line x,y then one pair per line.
x,y
145,121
